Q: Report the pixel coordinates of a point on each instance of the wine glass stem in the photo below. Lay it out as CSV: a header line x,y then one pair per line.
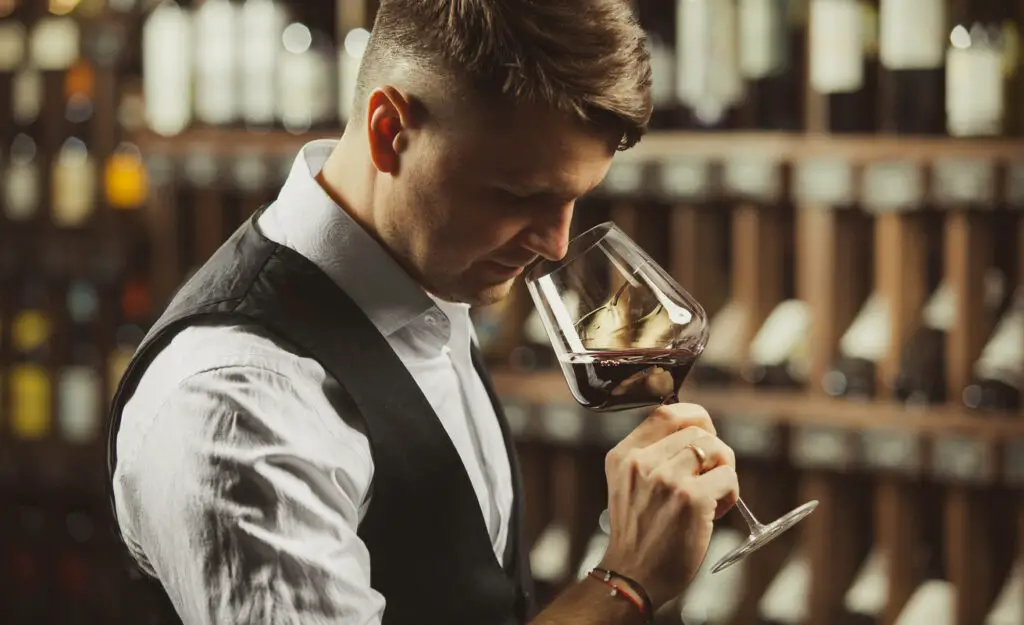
x,y
748,516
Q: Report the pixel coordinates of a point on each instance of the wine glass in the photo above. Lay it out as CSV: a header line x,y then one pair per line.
x,y
626,335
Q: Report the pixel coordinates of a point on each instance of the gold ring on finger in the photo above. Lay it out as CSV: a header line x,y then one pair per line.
x,y
702,457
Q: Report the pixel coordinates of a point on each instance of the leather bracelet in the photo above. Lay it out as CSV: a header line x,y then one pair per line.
x,y
605,575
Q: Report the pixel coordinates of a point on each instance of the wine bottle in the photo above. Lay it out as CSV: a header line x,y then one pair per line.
x,y
74,184
708,80
306,93
922,373
13,38
125,181
31,332
167,75
861,347
772,48
975,80
80,395
261,25
779,352
216,63
21,178
785,600
843,56
911,54
720,361
661,38
999,371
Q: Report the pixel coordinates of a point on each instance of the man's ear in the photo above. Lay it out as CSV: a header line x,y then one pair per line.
x,y
388,115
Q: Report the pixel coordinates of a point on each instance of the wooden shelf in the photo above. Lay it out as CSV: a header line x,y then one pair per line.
x,y
792,147
946,442
656,146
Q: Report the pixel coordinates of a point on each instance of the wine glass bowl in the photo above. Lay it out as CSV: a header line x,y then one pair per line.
x,y
626,335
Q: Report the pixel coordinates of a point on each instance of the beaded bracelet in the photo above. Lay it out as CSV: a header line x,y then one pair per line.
x,y
645,608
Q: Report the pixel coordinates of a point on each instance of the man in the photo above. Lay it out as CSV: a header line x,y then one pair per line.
x,y
307,434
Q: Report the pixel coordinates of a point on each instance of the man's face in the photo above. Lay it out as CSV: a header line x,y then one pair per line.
x,y
479,195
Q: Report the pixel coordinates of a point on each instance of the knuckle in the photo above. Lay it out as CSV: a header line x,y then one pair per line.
x,y
684,415
613,459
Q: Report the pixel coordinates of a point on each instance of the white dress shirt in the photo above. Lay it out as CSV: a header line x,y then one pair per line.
x,y
228,441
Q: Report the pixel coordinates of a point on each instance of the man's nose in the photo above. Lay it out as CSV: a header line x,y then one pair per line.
x,y
550,239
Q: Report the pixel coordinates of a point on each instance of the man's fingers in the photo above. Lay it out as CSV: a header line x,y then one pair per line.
x,y
721,485
692,448
666,420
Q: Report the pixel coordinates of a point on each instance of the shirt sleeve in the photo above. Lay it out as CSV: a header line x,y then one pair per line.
x,y
243,496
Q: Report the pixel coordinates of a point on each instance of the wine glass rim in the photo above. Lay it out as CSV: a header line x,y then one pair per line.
x,y
578,246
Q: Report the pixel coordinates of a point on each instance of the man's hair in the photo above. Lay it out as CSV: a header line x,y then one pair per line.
x,y
586,58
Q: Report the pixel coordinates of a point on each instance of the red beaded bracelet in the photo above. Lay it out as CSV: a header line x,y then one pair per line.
x,y
605,578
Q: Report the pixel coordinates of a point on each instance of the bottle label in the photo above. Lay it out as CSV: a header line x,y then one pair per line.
x,y
55,43
974,87
931,603
683,178
781,333
27,96
724,344
74,185
1009,605
708,75
216,99
913,34
785,600
1002,359
79,402
940,310
262,25
12,45
21,191
869,593
350,56
716,598
30,399
763,38
663,71
167,78
868,337
837,46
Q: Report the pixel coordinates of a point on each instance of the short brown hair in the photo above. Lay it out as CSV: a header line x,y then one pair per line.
x,y
587,58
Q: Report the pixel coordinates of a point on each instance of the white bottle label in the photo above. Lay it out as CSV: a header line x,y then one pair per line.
x,y
12,45
21,190
596,548
869,593
837,46
762,38
974,87
931,604
167,78
785,600
55,43
74,184
262,24
869,335
708,77
26,96
663,72
300,94
913,34
724,337
215,62
1002,359
940,310
781,333
79,417
1008,608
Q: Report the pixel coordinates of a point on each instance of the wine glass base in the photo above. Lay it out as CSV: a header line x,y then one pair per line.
x,y
765,535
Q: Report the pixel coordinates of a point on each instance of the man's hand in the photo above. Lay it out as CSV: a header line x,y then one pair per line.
x,y
663,500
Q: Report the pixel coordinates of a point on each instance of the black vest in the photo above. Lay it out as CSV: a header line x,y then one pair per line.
x,y
430,553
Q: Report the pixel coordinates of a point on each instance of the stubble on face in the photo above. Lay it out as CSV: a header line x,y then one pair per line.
x,y
455,207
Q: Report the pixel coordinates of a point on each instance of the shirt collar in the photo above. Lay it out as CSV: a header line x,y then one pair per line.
x,y
306,219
